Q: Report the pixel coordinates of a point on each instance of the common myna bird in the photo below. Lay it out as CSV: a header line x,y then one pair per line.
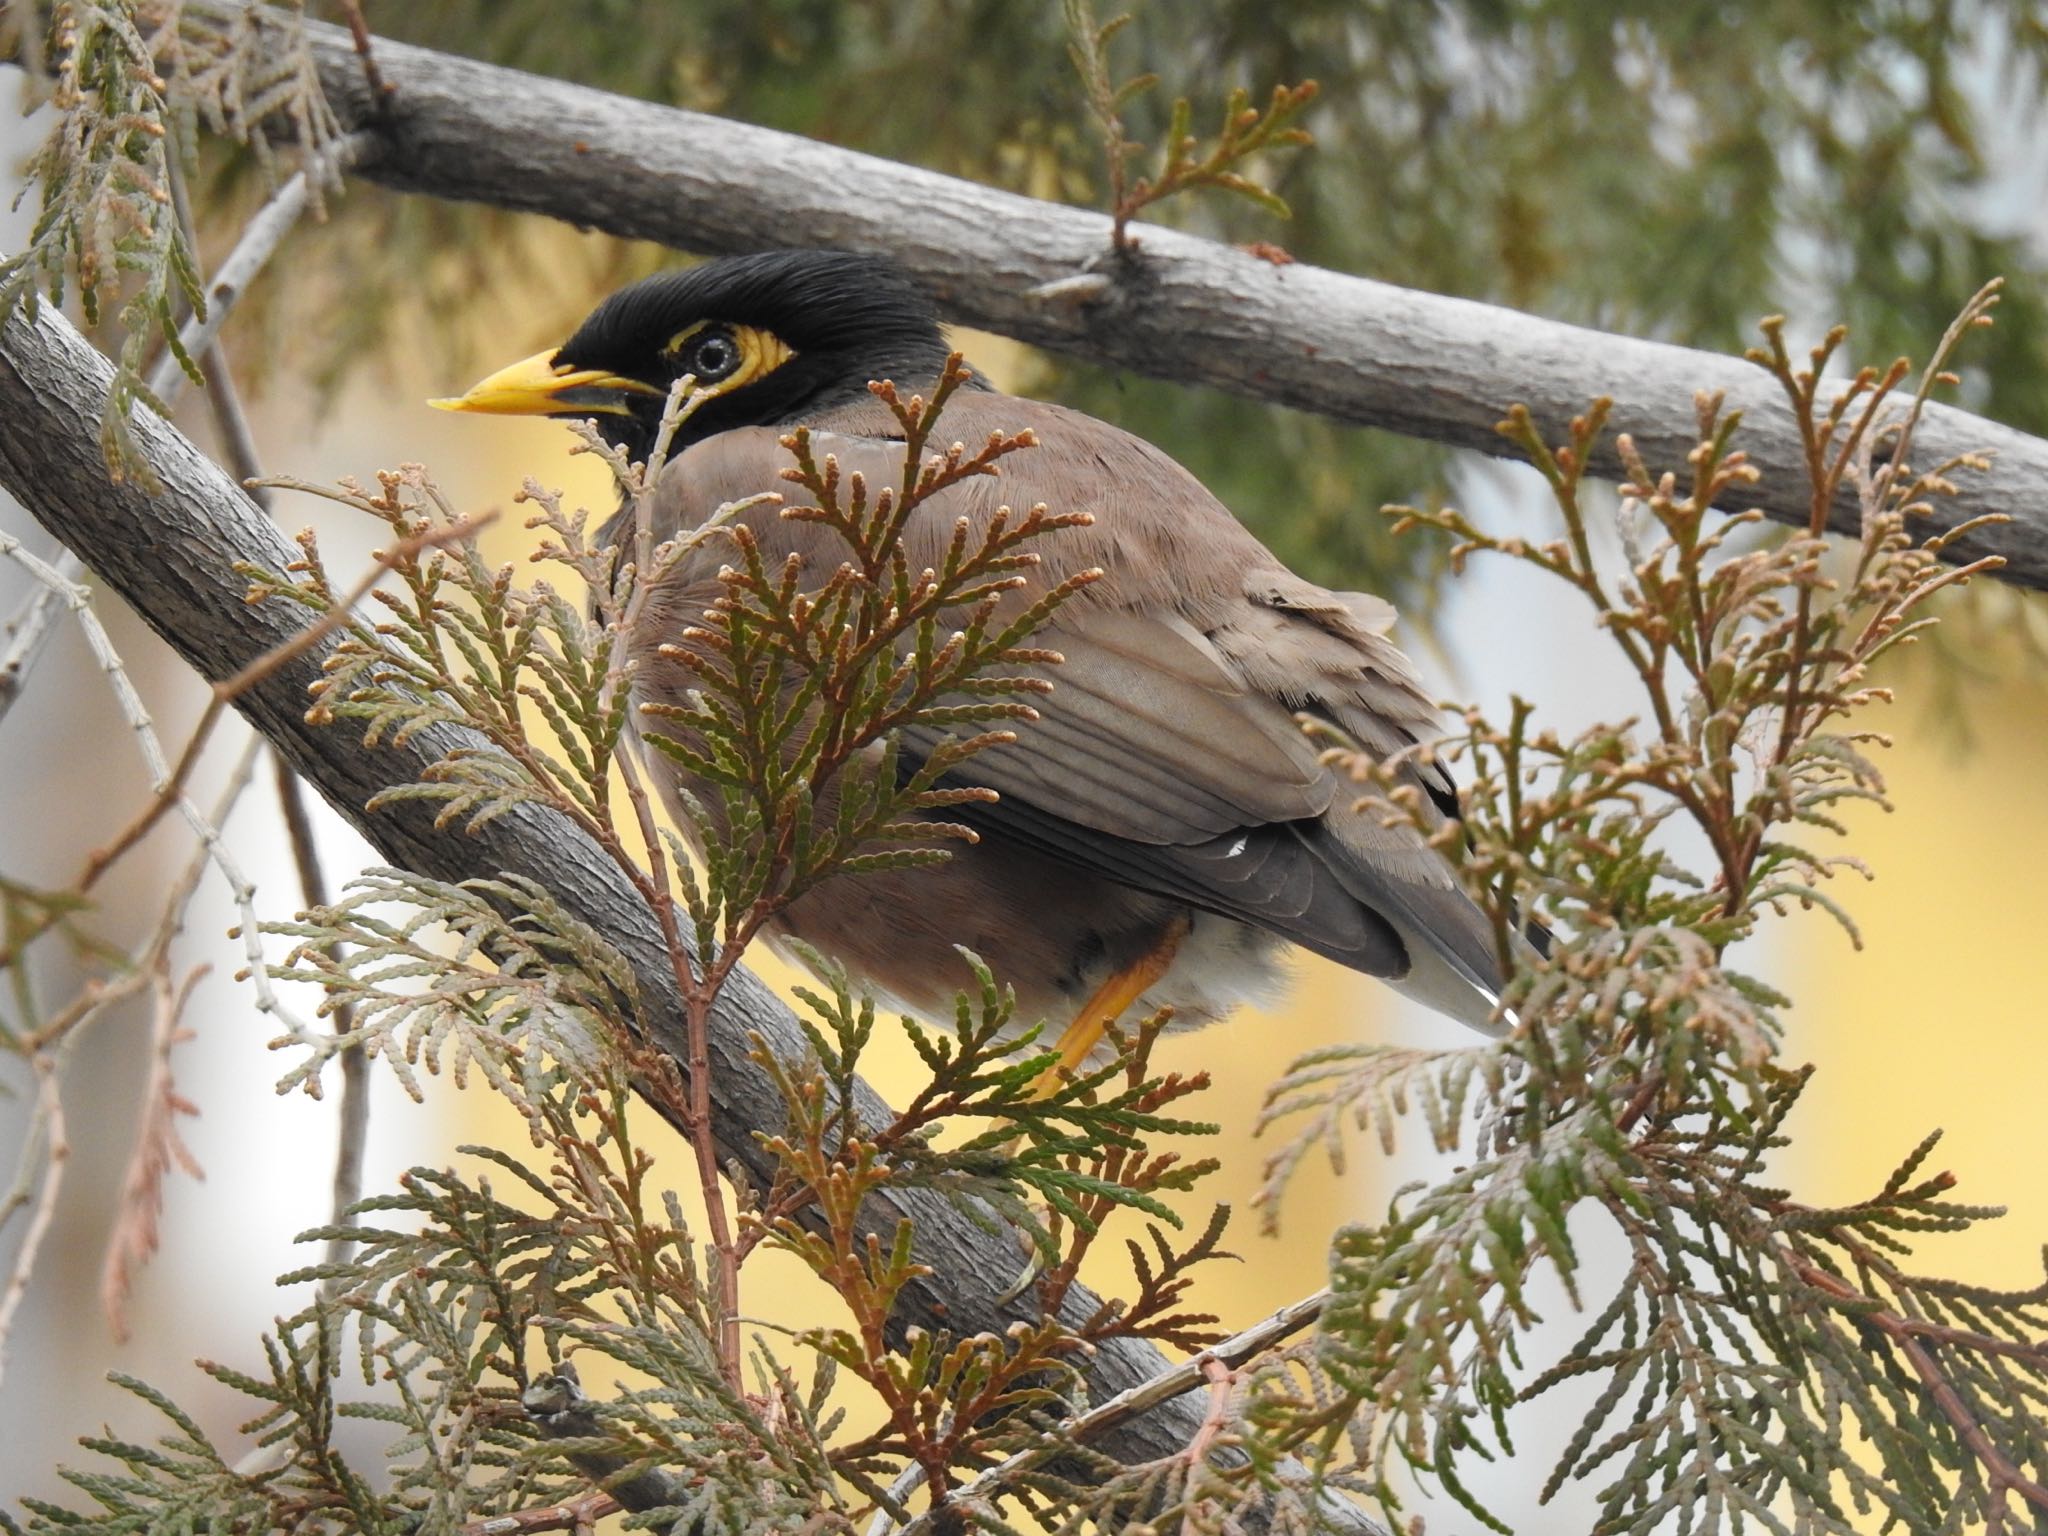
x,y
1164,827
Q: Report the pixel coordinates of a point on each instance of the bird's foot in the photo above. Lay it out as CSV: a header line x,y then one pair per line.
x,y
1077,1042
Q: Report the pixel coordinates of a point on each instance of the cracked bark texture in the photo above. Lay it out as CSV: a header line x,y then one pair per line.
x,y
172,558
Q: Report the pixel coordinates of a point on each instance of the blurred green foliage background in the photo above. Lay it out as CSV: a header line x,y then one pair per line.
x,y
1673,170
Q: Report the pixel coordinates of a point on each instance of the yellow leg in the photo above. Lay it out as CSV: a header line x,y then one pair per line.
x,y
1107,1005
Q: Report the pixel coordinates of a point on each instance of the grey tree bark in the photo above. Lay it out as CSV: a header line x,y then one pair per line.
x,y
1185,308
172,557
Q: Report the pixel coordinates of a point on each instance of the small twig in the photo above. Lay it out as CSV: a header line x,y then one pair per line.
x,y
98,996
579,1514
1640,1101
237,441
1221,1379
1907,1333
354,1133
56,582
697,979
1233,1353
77,598
359,33
1245,130
170,781
259,241
1968,1338
2004,1476
699,982
32,625
892,1510
48,1124
169,791
44,1046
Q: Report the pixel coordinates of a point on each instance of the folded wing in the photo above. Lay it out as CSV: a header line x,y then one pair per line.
x,y
1168,754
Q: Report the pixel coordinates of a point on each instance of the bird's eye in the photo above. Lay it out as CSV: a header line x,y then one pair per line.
x,y
713,356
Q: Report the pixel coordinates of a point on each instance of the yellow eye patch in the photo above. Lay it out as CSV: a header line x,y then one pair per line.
x,y
677,342
726,357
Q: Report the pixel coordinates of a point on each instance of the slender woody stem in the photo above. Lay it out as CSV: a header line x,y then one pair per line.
x,y
1233,1353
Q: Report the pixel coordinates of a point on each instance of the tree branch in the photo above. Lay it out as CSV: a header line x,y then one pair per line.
x,y
172,557
1231,1354
30,628
1180,308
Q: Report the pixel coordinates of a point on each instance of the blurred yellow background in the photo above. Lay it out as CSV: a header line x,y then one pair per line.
x,y
1939,1021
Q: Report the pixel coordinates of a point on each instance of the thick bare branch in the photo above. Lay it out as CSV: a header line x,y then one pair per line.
x,y
1181,308
172,558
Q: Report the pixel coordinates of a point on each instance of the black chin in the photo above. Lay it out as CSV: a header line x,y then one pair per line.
x,y
630,432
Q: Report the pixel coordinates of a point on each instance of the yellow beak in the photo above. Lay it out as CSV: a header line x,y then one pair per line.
x,y
536,386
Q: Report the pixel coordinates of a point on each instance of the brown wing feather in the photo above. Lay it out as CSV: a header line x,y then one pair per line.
x,y
1167,755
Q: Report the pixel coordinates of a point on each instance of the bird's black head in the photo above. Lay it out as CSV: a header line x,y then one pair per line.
x,y
770,338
